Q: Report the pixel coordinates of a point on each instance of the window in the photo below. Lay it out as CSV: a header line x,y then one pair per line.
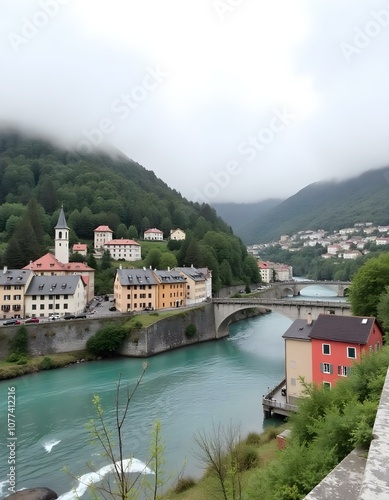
x,y
344,371
65,296
128,296
42,297
7,297
34,307
50,306
326,348
292,381
326,368
351,352
7,287
327,385
34,297
65,306
17,287
17,297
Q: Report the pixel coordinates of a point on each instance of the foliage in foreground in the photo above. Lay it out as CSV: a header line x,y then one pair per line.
x,y
327,427
106,341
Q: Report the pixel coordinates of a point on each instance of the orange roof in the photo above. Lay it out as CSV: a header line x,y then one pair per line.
x,y
80,246
49,263
154,230
122,241
104,228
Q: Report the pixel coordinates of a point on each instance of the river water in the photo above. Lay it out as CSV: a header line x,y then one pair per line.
x,y
187,390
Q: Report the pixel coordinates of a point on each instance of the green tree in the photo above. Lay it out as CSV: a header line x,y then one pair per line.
x,y
369,283
168,260
132,233
105,262
383,310
225,273
121,231
153,258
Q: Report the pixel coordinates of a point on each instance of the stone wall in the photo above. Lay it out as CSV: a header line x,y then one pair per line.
x,y
164,335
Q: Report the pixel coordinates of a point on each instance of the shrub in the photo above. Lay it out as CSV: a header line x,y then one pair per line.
x,y
13,357
184,484
248,457
19,344
106,341
253,438
138,324
22,360
190,330
46,363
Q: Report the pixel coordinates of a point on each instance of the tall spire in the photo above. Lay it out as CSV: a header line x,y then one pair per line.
x,y
61,224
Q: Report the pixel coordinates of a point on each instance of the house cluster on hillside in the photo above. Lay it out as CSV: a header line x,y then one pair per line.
x,y
347,243
321,351
53,285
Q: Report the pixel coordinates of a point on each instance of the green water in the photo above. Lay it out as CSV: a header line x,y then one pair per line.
x,y
221,381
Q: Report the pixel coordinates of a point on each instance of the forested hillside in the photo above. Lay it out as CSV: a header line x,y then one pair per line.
x,y
323,205
99,189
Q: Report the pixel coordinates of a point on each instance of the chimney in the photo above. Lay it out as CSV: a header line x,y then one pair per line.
x,y
309,319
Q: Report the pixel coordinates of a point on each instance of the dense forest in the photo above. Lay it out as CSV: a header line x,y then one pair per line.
x,y
37,177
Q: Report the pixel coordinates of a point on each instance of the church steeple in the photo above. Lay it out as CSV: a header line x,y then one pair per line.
x,y
62,239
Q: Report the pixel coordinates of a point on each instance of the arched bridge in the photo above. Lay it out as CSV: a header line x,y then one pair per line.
x,y
285,288
224,309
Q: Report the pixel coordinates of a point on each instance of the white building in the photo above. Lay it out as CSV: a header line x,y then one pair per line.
x,y
62,239
153,234
102,235
61,295
128,250
177,234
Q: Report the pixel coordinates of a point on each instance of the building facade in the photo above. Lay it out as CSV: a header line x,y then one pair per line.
x,y
135,290
128,250
13,285
153,234
102,235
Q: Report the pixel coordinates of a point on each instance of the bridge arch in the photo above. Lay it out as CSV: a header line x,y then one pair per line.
x,y
222,325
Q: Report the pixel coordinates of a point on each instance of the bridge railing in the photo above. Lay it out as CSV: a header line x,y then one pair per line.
x,y
272,403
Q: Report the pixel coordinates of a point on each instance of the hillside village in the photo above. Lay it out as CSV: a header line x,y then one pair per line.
x,y
347,243
51,286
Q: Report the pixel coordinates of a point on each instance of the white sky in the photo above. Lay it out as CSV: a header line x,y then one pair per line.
x,y
225,100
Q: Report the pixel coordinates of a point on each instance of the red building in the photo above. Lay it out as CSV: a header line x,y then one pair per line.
x,y
338,341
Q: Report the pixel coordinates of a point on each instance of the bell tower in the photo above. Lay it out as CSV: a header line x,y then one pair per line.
x,y
62,239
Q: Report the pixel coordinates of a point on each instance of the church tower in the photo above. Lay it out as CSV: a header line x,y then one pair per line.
x,y
62,239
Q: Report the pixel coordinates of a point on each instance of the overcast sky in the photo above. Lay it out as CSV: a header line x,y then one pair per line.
x,y
225,100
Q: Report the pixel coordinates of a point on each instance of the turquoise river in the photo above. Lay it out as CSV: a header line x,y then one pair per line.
x,y
187,390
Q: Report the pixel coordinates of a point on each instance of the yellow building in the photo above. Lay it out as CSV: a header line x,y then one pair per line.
x,y
135,290
13,285
177,234
171,289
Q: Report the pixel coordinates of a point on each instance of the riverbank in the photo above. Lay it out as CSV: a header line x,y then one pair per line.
x,y
39,363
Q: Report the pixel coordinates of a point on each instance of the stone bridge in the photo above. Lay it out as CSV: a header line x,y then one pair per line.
x,y
224,309
285,288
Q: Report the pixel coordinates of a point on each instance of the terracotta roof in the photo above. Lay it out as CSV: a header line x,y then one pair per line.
x,y
80,246
154,230
49,263
122,241
351,329
103,228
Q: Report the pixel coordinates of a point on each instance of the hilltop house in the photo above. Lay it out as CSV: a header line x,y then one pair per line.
x,y
102,235
177,234
13,285
323,350
128,250
153,234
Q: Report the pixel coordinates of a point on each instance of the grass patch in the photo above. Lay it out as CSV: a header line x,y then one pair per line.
x,y
37,363
149,319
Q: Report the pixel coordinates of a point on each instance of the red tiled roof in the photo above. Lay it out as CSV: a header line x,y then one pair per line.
x,y
154,230
79,246
49,263
103,228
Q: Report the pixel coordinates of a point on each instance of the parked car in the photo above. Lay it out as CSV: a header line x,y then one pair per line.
x,y
80,316
53,317
112,308
148,309
32,320
69,316
9,322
